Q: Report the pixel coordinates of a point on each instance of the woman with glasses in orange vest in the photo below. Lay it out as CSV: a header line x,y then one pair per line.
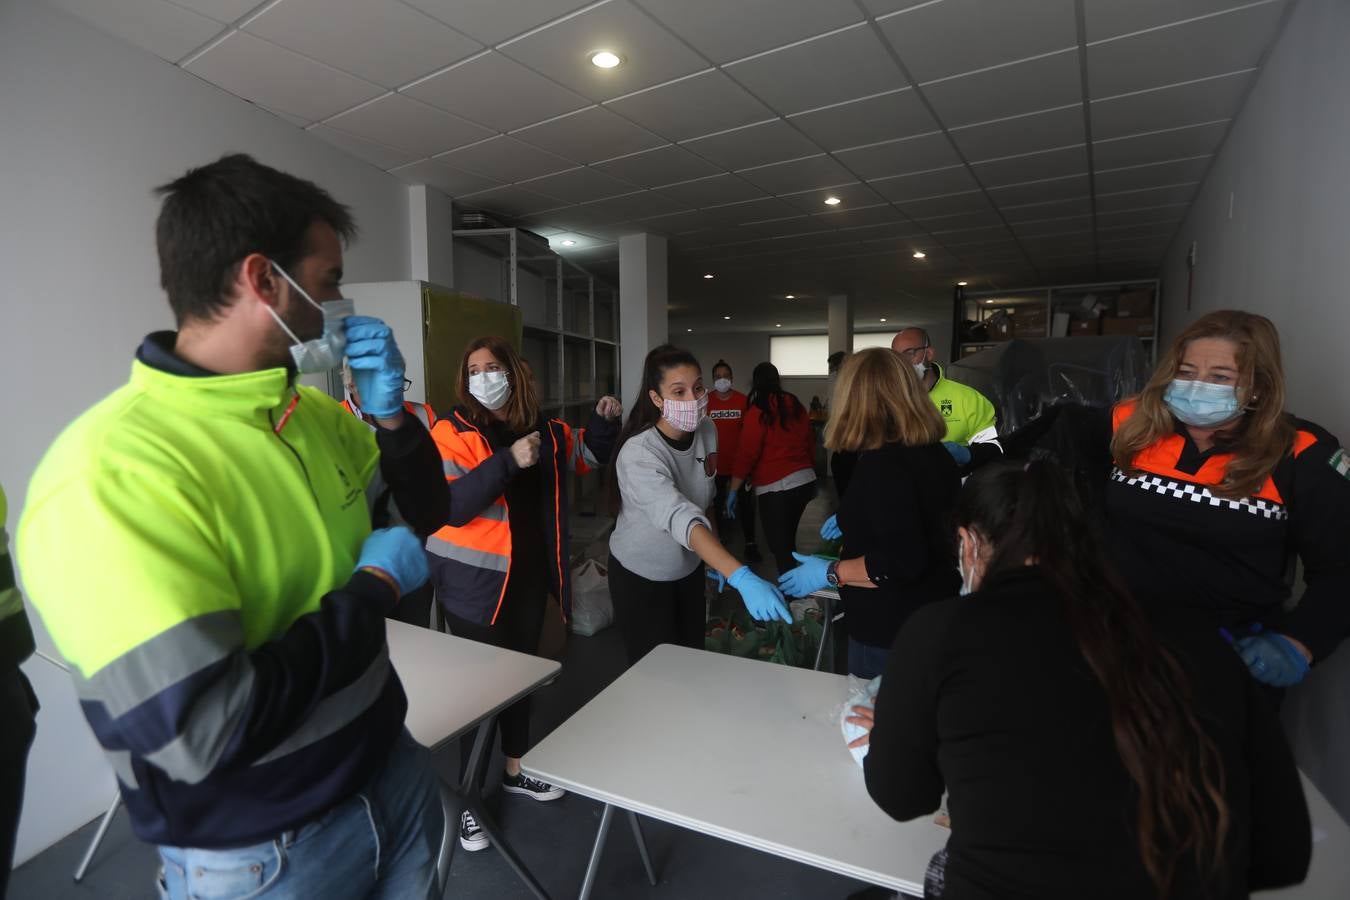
x,y
504,550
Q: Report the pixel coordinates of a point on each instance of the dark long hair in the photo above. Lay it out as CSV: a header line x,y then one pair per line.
x,y
644,414
1032,512
767,395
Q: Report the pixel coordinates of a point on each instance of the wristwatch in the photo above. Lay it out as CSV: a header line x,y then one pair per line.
x,y
832,573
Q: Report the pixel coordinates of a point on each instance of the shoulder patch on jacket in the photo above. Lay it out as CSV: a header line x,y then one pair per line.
x,y
1340,461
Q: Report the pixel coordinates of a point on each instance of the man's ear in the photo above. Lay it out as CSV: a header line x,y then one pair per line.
x,y
257,277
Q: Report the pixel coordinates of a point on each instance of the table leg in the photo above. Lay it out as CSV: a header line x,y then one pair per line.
x,y
98,837
448,840
642,847
826,621
589,881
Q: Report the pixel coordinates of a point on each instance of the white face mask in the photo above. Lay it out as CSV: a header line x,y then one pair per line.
x,y
492,389
722,385
684,414
325,351
966,577
920,369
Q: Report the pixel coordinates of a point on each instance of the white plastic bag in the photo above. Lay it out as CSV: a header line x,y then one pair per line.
x,y
592,610
860,693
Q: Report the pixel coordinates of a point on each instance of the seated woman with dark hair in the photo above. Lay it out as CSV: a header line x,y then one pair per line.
x,y
1083,755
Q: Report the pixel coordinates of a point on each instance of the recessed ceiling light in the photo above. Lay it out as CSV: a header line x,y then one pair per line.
x,y
882,320
689,329
569,243
989,301
791,296
726,318
832,201
919,254
778,325
962,283
605,59
709,275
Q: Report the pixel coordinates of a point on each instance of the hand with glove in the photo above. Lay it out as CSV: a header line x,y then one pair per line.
x,y
762,600
525,451
609,408
1273,659
959,452
376,364
395,555
806,578
718,577
729,508
830,530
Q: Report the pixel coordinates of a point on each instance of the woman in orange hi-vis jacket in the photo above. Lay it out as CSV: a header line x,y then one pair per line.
x,y
504,550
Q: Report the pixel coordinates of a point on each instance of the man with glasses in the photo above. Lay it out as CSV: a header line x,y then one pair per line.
x,y
972,433
352,402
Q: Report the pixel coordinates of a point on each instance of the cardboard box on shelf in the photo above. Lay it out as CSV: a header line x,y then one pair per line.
x,y
1135,304
1085,328
1139,326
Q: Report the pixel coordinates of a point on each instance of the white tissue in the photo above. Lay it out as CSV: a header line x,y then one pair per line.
x,y
864,695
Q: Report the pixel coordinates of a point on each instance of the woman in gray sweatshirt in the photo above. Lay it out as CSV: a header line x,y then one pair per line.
x,y
664,474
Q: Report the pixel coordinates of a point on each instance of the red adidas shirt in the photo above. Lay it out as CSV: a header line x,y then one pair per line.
x,y
727,415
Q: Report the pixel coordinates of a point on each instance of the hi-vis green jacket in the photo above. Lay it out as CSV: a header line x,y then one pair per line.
x,y
190,544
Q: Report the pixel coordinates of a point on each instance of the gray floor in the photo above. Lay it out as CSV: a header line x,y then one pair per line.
x,y
554,838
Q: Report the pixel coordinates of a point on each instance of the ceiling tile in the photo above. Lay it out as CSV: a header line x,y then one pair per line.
x,y
408,125
1171,107
937,40
694,106
624,209
517,96
953,180
798,175
940,225
790,80
757,145
1044,191
377,154
294,120
949,205
725,31
893,115
562,51
849,195
451,181
1196,49
508,200
861,217
1055,209
1147,198
671,223
493,21
1175,143
749,211
589,136
379,40
1062,225
1111,18
902,157
578,186
505,159
227,11
168,31
1023,87
251,68
713,190
653,168
1032,166
1043,130
1175,172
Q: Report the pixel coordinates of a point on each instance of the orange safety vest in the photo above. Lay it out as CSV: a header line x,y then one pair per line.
x,y
423,411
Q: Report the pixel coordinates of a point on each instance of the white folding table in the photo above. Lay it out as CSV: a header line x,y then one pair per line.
x,y
729,736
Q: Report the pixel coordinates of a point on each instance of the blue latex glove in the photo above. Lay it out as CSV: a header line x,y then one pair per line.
x,y
762,600
830,530
959,452
377,365
398,553
714,575
729,508
808,577
1272,659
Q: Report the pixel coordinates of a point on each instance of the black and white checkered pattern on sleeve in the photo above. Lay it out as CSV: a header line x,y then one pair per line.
x,y
1198,493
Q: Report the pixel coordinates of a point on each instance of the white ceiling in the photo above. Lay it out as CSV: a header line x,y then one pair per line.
x,y
1013,141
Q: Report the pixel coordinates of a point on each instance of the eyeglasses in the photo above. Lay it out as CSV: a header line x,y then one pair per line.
x,y
407,384
913,353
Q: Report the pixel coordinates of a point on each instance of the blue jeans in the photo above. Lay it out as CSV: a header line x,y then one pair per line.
x,y
381,843
866,661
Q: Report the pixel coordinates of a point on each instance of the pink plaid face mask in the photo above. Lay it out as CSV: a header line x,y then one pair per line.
x,y
684,414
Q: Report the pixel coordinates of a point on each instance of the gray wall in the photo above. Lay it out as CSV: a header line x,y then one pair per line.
x,y
1283,171
90,126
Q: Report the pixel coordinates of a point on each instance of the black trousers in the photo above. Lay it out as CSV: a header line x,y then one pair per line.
x,y
649,612
518,626
782,514
745,510
18,707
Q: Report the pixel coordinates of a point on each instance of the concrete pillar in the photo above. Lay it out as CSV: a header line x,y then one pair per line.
x,y
643,321
430,219
841,323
